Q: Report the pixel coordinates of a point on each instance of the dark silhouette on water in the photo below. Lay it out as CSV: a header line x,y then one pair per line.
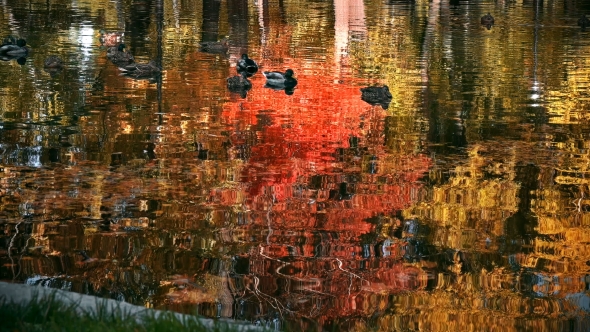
x,y
119,56
141,70
221,46
245,64
53,65
487,20
239,84
53,61
376,95
583,22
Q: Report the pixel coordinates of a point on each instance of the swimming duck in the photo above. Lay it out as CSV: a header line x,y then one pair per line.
x,y
119,56
487,20
583,22
221,46
375,95
53,61
280,80
141,70
110,39
18,49
239,84
247,65
53,65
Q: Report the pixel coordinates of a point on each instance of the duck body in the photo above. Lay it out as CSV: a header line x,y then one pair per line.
x,y
221,46
239,84
280,80
487,20
376,95
245,64
18,49
53,61
584,22
119,56
141,70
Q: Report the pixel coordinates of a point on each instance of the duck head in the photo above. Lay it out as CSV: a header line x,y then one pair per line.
x,y
289,73
386,91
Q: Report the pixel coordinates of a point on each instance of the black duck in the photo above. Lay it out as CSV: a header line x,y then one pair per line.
x,y
487,20
245,64
53,61
141,70
239,84
221,46
119,56
375,95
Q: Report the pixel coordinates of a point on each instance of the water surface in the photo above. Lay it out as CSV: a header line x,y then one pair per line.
x,y
459,205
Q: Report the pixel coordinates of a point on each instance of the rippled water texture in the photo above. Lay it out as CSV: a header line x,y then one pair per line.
x,y
460,203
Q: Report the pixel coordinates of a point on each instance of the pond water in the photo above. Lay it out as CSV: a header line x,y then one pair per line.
x,y
460,203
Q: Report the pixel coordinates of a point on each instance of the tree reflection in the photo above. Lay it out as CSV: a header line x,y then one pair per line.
x,y
465,196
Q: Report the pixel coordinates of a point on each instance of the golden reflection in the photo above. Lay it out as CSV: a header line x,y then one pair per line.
x,y
464,204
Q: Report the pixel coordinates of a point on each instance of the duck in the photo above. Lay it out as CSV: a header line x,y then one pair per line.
x,y
376,95
110,39
280,80
53,65
221,46
245,64
239,82
141,70
583,22
18,49
119,56
487,20
53,61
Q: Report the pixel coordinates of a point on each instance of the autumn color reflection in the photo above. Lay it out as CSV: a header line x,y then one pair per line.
x,y
462,206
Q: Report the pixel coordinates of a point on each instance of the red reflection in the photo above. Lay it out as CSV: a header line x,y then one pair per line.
x,y
297,137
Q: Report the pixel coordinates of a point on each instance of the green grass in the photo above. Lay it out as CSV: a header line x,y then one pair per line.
x,y
49,314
